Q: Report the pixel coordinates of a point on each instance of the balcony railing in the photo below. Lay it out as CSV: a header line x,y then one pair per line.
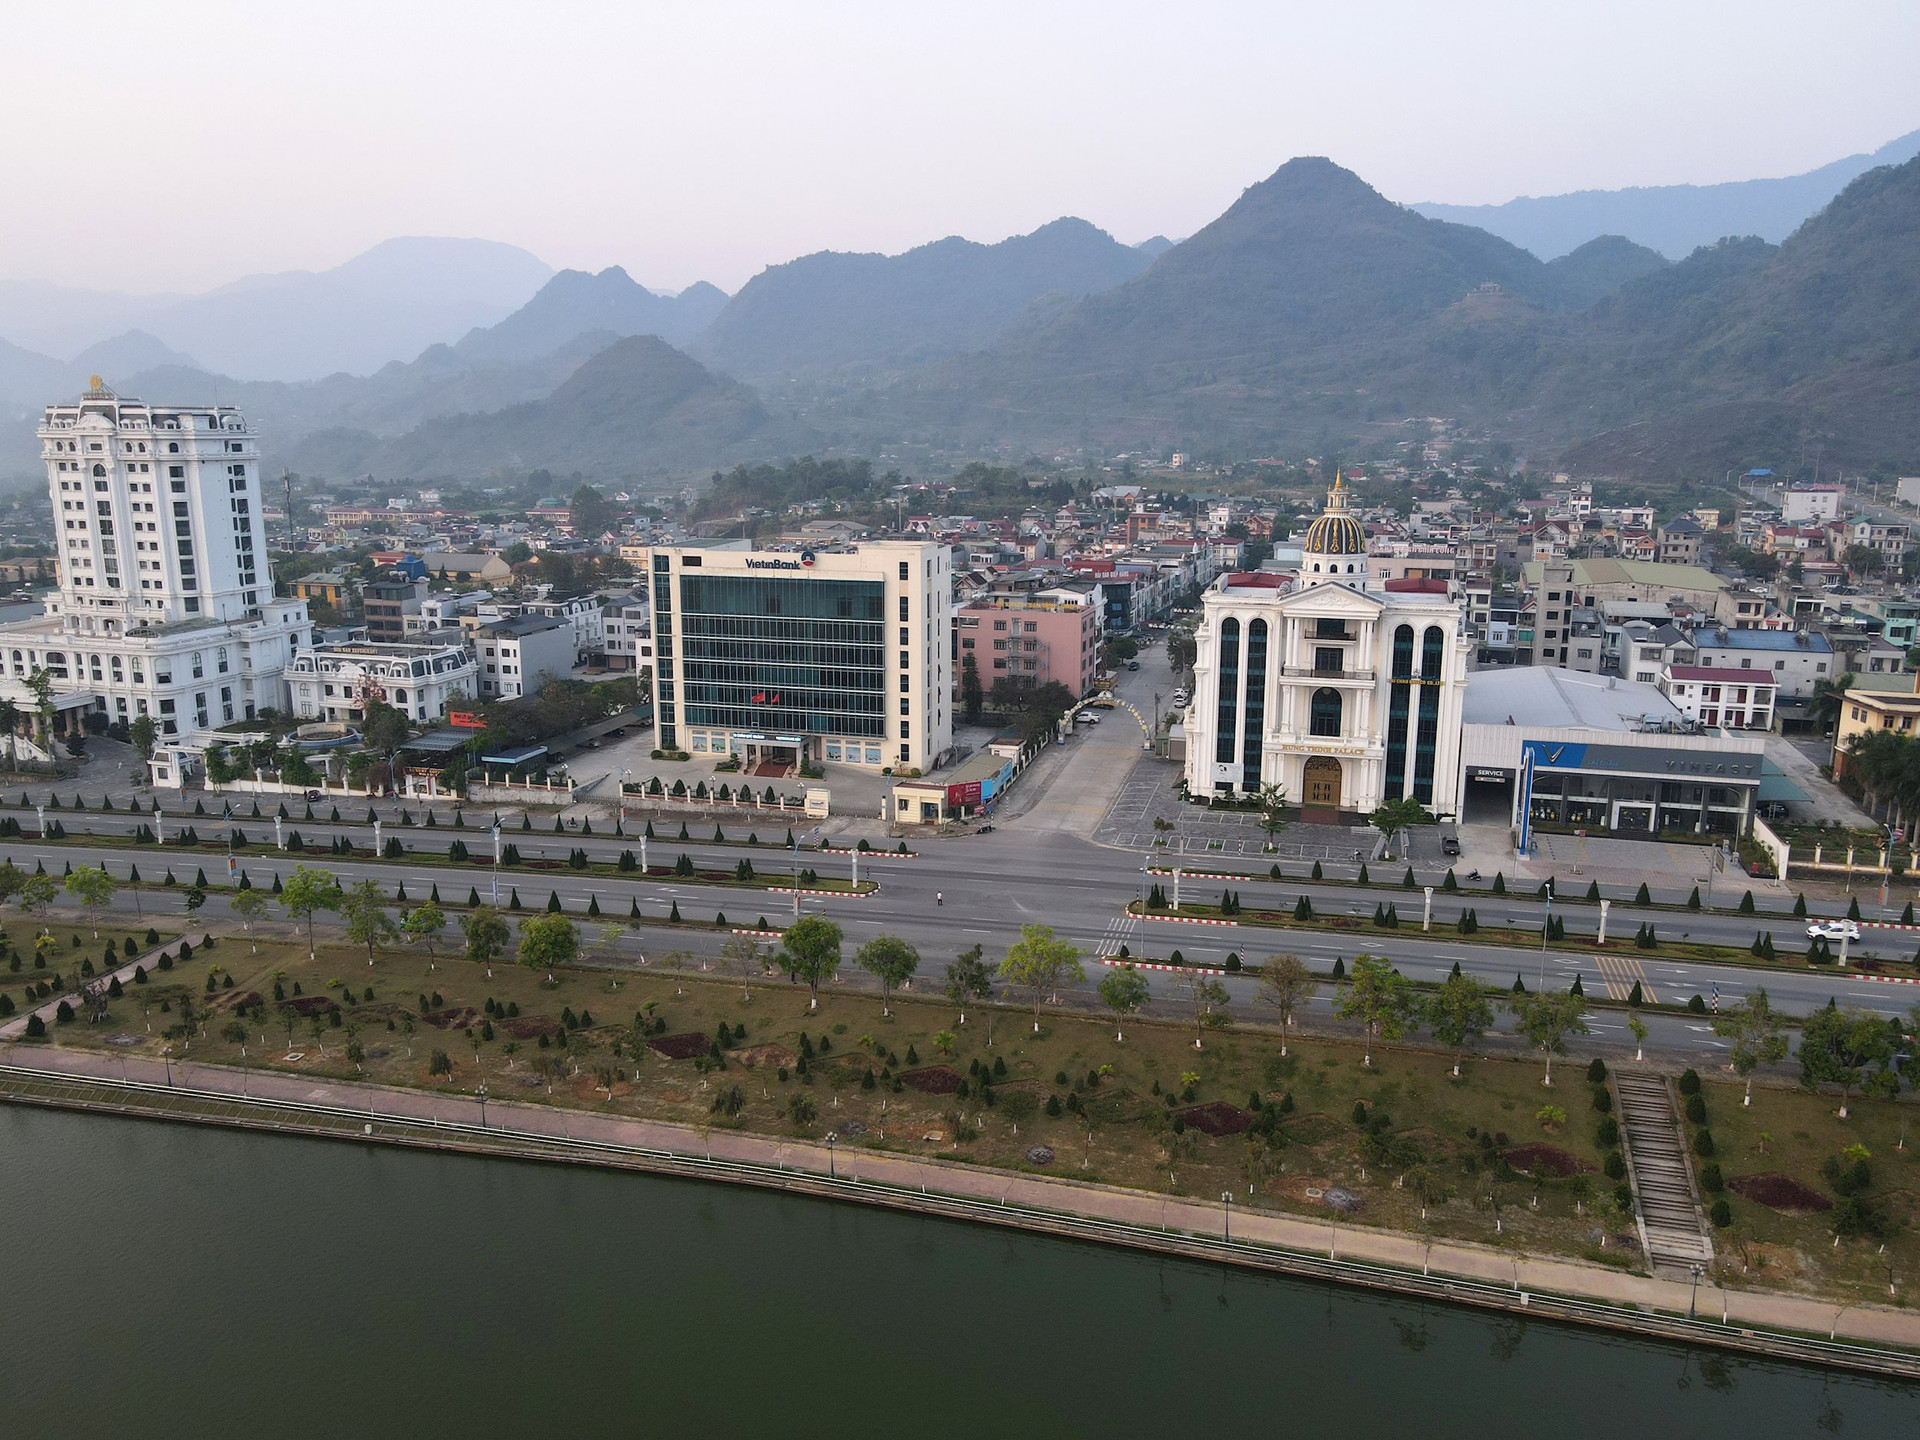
x,y
1308,672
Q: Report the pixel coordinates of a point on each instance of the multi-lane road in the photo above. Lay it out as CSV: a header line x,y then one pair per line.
x,y
980,890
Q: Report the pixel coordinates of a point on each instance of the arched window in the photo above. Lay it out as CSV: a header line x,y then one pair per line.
x,y
1256,707
1433,646
100,471
1227,705
1316,567
1325,717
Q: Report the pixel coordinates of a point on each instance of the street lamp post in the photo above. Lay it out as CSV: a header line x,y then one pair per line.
x,y
1226,1199
496,859
1695,1294
832,1136
483,1107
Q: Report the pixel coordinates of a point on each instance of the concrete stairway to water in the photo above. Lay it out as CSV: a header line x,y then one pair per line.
x,y
1672,1225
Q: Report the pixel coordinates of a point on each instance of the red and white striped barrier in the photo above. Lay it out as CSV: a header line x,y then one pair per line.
x,y
837,894
1188,920
1891,979
1884,925
1186,874
870,854
1119,960
762,934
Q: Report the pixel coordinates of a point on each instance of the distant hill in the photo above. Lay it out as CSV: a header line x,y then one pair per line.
x,y
126,355
1600,267
1672,219
394,300
574,303
387,303
862,313
1747,350
1314,312
637,408
1288,311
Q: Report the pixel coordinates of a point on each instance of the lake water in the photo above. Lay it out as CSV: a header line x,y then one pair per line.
x,y
163,1280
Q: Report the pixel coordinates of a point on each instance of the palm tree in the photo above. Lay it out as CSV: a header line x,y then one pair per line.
x,y
1827,696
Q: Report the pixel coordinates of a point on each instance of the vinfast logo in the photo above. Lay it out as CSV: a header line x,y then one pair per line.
x,y
773,564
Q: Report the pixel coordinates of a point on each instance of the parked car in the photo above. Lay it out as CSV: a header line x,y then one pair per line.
x,y
312,795
1449,845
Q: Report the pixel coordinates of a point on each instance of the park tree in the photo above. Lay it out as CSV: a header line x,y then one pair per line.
x,y
746,957
1040,962
1204,993
1758,1033
1459,1013
547,941
363,907
1853,1049
37,895
250,906
423,923
810,951
384,728
891,961
968,978
13,880
93,888
143,732
486,934
1379,997
1123,991
1546,1020
1396,815
306,893
1287,984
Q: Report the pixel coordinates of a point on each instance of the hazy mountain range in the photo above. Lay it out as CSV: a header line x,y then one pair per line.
x,y
1676,220
1312,311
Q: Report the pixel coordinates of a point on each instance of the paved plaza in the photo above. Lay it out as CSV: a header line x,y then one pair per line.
x,y
1150,792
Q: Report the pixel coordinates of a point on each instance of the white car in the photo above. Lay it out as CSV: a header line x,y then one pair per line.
x,y
1833,930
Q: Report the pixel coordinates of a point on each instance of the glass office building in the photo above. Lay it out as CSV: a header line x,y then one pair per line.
x,y
784,656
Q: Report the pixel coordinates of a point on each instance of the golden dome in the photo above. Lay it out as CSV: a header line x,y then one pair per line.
x,y
1336,532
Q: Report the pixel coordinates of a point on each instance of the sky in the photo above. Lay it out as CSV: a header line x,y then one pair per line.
x,y
180,145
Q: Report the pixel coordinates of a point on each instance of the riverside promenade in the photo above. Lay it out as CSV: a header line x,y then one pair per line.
x,y
1864,1337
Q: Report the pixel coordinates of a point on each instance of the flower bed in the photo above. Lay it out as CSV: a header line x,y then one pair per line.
x,y
528,1027
1779,1192
681,1047
454,1018
932,1079
1544,1162
775,1057
1216,1118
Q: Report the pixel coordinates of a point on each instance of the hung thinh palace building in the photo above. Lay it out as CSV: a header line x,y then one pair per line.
x,y
1342,692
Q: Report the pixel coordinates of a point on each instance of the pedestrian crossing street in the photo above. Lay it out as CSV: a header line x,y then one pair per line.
x,y
1620,973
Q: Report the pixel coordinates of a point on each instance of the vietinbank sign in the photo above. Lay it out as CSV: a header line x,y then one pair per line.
x,y
803,563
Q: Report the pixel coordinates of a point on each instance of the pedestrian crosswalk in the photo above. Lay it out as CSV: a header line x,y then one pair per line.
x,y
1620,973
1121,930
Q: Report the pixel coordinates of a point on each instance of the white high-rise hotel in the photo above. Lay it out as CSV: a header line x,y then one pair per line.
x,y
166,606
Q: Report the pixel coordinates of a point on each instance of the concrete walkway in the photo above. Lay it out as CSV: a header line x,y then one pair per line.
x,y
1872,1324
16,1027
